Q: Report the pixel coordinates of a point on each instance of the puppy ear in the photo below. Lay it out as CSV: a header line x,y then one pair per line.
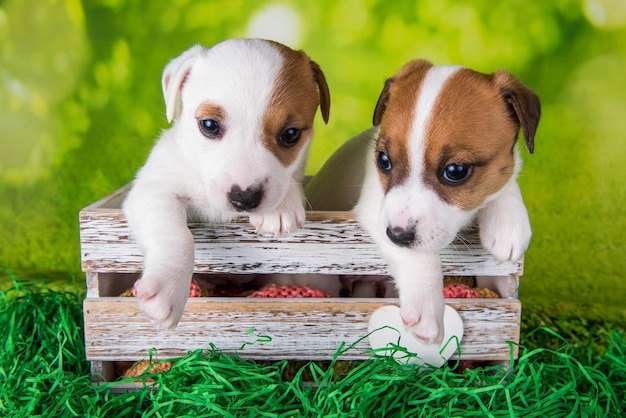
x,y
323,89
381,105
523,103
174,76
411,69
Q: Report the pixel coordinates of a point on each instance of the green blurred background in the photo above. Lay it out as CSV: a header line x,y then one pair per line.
x,y
81,107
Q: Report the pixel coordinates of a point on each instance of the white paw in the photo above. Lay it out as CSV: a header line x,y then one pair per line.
x,y
423,315
385,324
162,298
283,220
506,236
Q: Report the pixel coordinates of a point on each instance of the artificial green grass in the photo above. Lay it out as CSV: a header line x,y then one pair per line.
x,y
43,372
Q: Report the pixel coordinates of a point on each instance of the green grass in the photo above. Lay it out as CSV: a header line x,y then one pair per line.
x,y
564,369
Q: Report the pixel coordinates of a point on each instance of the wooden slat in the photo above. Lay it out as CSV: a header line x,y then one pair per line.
x,y
331,242
299,328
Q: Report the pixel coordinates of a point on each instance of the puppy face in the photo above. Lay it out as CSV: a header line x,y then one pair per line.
x,y
446,147
244,113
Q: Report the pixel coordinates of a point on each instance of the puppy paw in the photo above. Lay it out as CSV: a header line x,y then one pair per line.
x,y
506,236
286,218
162,298
424,317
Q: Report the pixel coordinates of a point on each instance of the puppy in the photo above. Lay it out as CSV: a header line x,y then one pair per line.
x,y
243,116
442,153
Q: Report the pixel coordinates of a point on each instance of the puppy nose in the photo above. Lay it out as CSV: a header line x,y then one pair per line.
x,y
245,200
400,236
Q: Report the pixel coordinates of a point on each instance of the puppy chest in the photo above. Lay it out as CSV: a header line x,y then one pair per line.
x,y
232,262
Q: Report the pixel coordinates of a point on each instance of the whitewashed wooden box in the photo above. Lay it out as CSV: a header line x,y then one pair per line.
x,y
311,329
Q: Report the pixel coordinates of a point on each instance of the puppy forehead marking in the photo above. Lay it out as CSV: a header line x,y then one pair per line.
x,y
403,129
432,85
397,120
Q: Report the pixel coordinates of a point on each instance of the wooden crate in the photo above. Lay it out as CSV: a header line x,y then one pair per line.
x,y
330,243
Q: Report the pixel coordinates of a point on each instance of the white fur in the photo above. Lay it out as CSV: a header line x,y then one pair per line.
x,y
189,176
504,225
430,88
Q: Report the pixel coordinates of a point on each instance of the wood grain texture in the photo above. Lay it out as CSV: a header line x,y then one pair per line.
x,y
298,328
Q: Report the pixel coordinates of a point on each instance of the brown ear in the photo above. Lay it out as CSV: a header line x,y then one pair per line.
x,y
381,104
411,70
323,90
523,102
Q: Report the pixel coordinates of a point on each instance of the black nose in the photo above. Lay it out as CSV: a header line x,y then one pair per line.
x,y
400,236
245,200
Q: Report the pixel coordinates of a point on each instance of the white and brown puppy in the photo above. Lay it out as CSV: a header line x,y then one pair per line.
x,y
243,115
444,153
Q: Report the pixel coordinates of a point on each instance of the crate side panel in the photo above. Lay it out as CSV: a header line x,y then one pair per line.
x,y
313,329
326,245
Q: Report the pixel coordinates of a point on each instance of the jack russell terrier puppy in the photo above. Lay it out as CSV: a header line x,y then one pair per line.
x,y
243,116
442,154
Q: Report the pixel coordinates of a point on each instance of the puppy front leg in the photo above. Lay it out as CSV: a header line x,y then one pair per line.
x,y
158,220
288,216
419,279
504,225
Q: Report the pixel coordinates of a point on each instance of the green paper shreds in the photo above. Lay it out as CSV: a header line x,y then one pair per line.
x,y
43,353
43,372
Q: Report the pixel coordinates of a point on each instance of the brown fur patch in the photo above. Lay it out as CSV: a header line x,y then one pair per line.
x,y
293,103
470,124
395,112
210,111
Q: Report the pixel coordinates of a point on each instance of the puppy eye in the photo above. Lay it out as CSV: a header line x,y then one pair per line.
x,y
455,174
210,128
383,161
290,137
